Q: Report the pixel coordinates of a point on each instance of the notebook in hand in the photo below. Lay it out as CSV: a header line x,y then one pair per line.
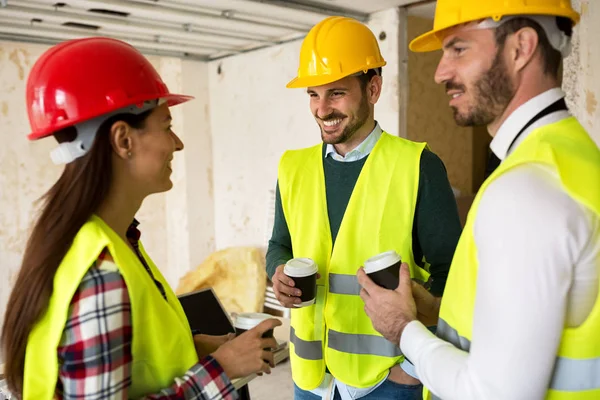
x,y
205,313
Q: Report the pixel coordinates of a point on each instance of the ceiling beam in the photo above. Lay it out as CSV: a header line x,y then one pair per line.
x,y
312,6
59,34
125,25
49,42
214,21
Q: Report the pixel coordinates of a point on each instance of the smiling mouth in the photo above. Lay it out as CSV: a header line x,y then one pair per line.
x,y
332,122
454,94
332,125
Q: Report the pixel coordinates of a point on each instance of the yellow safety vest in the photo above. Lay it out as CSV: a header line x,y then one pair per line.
x,y
162,346
336,331
566,147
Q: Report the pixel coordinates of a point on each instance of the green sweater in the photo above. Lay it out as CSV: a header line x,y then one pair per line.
x,y
436,225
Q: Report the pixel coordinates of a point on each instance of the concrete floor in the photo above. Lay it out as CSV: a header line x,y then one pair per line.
x,y
276,386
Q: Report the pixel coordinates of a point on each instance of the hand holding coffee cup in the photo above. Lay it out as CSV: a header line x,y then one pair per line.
x,y
384,269
286,287
246,354
246,321
303,271
206,344
283,287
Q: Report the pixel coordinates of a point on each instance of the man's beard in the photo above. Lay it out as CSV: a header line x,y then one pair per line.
x,y
492,94
353,126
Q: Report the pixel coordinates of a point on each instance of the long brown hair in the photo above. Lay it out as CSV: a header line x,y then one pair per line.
x,y
76,195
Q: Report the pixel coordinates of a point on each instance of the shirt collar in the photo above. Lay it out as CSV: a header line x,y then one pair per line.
x,y
519,118
133,233
360,151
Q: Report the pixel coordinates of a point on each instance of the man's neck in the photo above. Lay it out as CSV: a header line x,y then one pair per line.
x,y
359,136
525,92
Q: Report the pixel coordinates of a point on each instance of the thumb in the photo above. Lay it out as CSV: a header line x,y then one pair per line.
x,y
419,292
405,284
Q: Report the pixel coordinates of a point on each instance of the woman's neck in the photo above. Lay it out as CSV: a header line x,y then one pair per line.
x,y
119,208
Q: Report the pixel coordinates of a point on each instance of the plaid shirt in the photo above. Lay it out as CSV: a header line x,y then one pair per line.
x,y
95,350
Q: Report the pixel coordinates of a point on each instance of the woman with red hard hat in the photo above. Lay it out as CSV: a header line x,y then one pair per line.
x,y
90,315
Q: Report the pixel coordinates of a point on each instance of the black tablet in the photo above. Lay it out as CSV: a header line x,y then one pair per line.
x,y
205,313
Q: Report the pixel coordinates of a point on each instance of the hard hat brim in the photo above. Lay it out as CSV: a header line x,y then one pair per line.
x,y
171,100
429,41
309,81
432,40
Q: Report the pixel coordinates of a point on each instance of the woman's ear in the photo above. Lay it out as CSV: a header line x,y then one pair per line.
x,y
121,140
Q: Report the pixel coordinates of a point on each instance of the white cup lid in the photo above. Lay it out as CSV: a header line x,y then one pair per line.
x,y
381,261
250,320
300,267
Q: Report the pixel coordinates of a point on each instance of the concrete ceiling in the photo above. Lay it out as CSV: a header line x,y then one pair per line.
x,y
199,29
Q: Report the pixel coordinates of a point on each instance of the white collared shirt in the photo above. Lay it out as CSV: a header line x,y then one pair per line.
x,y
537,249
517,120
359,152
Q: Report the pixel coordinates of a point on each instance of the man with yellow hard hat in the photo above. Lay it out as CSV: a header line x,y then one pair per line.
x,y
359,193
520,317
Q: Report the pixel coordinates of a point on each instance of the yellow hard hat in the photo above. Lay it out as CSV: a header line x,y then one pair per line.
x,y
449,13
334,49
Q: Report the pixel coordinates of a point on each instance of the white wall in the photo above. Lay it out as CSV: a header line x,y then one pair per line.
x,y
582,75
254,119
177,227
188,214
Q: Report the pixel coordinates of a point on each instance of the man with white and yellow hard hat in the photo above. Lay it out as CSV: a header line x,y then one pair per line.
x,y
520,317
359,193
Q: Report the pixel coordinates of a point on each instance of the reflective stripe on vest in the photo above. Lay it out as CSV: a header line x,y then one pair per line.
x,y
309,350
572,375
362,344
344,284
346,342
449,334
569,374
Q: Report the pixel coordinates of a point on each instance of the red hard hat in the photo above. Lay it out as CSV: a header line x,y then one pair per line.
x,y
80,79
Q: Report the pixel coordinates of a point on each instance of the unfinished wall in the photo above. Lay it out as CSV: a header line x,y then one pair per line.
x,y
581,73
430,118
254,119
25,168
178,227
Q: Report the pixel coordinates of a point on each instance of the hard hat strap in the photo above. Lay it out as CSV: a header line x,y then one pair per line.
x,y
67,152
557,38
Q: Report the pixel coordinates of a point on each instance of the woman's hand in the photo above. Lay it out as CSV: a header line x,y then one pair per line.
x,y
248,353
206,344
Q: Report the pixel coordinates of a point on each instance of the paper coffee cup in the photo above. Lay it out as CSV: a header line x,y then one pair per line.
x,y
384,269
304,273
246,321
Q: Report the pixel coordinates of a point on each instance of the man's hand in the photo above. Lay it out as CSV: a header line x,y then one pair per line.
x,y
428,306
390,310
283,286
206,344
